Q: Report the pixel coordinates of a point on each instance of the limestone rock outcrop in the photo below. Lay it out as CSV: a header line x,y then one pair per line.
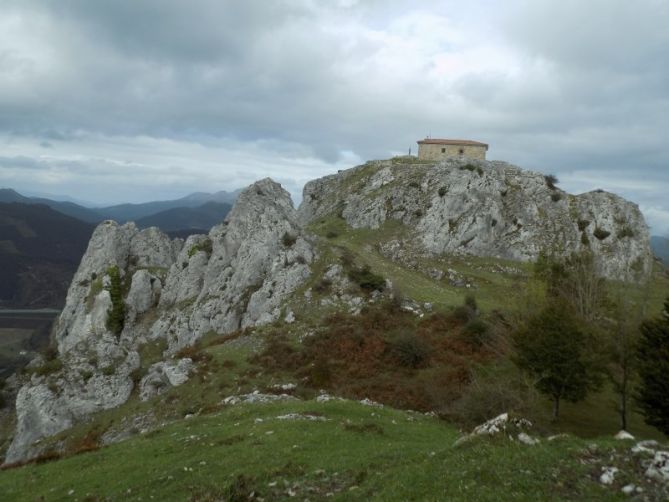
x,y
235,277
485,208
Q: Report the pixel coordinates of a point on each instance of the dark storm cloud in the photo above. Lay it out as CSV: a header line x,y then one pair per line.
x,y
577,88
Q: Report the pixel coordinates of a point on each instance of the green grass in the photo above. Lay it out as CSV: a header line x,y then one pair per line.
x,y
357,454
492,287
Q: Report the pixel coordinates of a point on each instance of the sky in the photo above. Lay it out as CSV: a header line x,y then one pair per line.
x,y
127,101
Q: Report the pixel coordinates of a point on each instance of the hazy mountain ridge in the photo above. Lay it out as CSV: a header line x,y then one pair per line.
x,y
183,218
123,212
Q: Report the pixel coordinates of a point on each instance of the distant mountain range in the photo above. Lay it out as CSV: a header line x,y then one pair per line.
x,y
183,218
43,240
660,247
132,212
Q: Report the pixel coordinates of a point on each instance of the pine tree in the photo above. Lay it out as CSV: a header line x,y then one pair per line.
x,y
653,363
116,314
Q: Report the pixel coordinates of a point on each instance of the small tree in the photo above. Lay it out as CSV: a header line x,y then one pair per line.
x,y
653,363
558,354
576,281
116,314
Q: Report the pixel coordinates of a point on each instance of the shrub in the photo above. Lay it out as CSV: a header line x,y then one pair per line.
x,y
476,332
626,231
584,239
49,367
367,279
556,196
51,353
418,213
109,370
409,350
442,191
320,374
206,246
470,301
583,224
288,240
468,167
323,285
414,184
462,314
490,396
331,234
551,181
601,234
116,314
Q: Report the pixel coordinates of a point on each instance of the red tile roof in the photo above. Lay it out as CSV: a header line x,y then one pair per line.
x,y
435,141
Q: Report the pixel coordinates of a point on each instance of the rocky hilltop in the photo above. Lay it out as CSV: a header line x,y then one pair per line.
x,y
138,288
237,276
485,208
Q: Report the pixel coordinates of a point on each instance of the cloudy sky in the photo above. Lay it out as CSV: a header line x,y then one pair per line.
x,y
128,100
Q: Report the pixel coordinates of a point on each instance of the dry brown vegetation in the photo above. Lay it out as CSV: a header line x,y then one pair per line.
x,y
388,355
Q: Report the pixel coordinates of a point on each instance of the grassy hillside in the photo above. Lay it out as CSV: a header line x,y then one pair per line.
x,y
343,450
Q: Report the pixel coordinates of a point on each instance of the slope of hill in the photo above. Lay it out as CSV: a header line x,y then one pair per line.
x,y
361,293
335,450
40,249
183,218
660,247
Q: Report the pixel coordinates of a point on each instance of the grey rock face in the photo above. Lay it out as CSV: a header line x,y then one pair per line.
x,y
240,274
163,375
235,277
486,208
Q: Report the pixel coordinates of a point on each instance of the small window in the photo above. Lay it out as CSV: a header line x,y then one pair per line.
x,y
443,150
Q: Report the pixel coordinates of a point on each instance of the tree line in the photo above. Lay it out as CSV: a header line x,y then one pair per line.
x,y
588,332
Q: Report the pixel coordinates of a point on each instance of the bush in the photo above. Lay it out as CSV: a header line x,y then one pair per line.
x,y
470,301
490,396
626,231
551,181
323,285
410,351
331,234
476,332
585,240
109,370
442,191
583,224
601,234
367,279
206,246
49,367
116,314
556,197
288,240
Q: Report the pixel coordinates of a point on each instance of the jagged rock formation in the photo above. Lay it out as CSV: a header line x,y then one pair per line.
x,y
485,208
235,277
135,287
